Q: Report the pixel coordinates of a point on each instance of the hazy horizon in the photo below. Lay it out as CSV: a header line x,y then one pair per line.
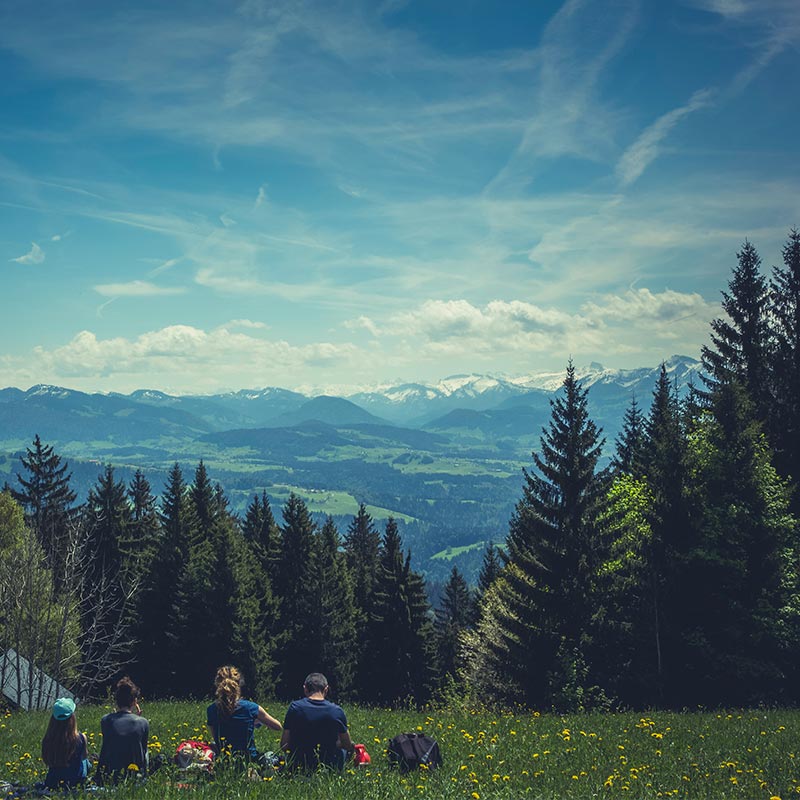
x,y
198,199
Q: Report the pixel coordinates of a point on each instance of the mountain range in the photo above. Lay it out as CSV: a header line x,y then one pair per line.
x,y
444,459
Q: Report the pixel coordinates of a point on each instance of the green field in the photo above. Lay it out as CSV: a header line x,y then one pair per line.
x,y
742,754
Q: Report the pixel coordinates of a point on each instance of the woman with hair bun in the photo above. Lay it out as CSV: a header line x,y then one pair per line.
x,y
231,719
64,749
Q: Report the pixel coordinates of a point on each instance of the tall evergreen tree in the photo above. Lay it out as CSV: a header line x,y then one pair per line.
x,y
543,614
47,499
784,419
157,631
140,545
334,614
362,546
672,533
107,600
741,574
454,615
261,531
630,443
296,588
740,342
400,651
108,517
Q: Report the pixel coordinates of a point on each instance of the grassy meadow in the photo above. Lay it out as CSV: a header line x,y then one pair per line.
x,y
740,754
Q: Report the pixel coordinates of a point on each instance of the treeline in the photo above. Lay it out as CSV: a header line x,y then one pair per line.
x,y
671,578
168,590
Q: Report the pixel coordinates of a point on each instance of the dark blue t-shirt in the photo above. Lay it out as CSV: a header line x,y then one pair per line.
x,y
74,773
315,724
235,731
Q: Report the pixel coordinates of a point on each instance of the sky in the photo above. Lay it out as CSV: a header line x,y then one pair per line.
x,y
328,196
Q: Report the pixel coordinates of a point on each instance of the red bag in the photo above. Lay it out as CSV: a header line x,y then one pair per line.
x,y
360,755
193,753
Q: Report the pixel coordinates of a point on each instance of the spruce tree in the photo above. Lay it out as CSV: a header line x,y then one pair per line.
x,y
672,534
454,615
140,545
740,342
400,644
741,573
157,631
204,602
108,517
334,614
107,602
784,419
296,586
543,612
261,531
47,499
630,442
362,546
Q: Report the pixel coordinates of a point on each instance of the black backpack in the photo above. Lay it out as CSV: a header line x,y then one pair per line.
x,y
409,751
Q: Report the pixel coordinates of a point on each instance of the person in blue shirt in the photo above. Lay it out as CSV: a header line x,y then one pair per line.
x,y
315,729
64,749
232,720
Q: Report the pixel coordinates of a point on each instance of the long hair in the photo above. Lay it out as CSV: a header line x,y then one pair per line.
x,y
60,741
228,689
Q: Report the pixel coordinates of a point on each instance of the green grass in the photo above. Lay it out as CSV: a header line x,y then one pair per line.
x,y
451,552
747,754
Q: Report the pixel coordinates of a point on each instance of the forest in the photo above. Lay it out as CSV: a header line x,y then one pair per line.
x,y
669,579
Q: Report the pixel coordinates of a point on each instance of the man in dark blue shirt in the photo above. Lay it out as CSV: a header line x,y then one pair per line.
x,y
315,730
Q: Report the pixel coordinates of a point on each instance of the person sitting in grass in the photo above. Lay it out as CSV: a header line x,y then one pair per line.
x,y
315,729
125,733
64,750
232,720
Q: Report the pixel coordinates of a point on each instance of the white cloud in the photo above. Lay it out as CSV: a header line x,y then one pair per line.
x,y
227,220
245,323
261,197
647,147
35,256
181,358
642,305
136,289
56,237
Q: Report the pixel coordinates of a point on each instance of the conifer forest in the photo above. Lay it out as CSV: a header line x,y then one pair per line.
x,y
669,579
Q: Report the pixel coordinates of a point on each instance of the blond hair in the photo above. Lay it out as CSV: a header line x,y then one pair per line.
x,y
228,689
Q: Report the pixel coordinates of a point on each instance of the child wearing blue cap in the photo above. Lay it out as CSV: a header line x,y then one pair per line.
x,y
64,750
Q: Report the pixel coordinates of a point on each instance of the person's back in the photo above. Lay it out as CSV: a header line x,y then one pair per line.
x,y
125,735
231,719
64,749
315,729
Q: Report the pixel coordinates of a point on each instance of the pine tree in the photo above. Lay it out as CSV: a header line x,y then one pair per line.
x,y
204,602
739,343
630,442
108,516
47,499
296,588
784,419
400,651
741,574
334,614
139,547
543,611
672,535
362,546
107,603
490,568
157,631
261,531
454,615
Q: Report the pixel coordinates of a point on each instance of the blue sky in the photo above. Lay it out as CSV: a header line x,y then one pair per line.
x,y
198,197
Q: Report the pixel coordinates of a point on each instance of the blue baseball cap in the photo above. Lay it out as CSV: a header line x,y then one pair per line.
x,y
63,708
